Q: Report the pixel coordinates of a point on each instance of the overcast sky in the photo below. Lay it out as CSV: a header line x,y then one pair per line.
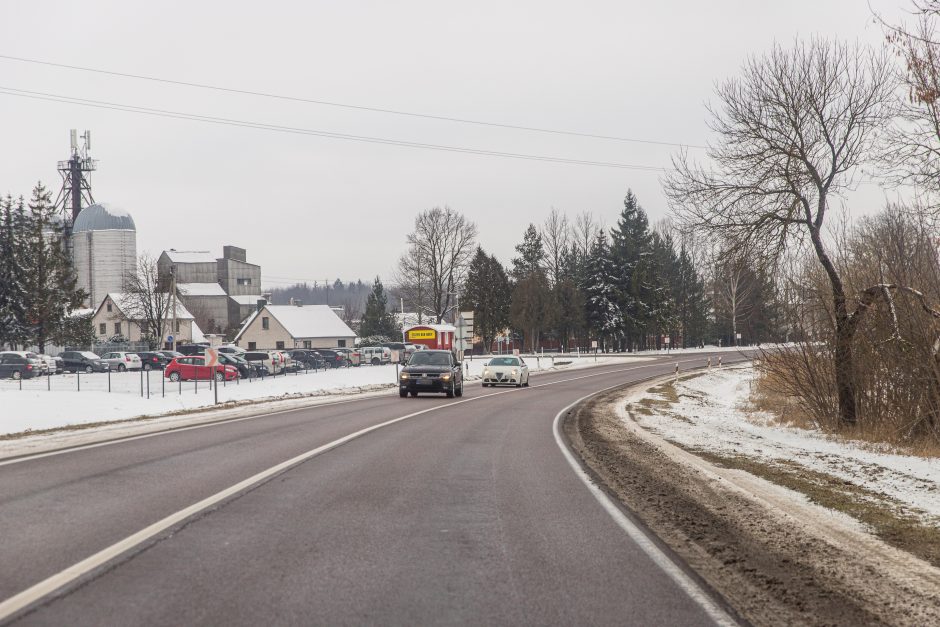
x,y
308,207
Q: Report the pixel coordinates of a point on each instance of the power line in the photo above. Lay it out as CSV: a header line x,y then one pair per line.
x,y
99,104
328,103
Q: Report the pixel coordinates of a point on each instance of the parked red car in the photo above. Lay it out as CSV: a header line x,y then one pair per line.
x,y
194,367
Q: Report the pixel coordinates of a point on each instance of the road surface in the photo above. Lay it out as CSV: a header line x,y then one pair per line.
x,y
382,510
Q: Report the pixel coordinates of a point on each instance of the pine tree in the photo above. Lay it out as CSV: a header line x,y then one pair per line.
x,y
531,308
601,298
531,254
49,279
12,289
377,320
487,293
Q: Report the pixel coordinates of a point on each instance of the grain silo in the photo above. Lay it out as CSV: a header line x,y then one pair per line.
x,y
104,250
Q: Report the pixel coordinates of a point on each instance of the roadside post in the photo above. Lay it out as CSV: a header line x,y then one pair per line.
x,y
48,381
719,361
212,360
709,363
594,347
677,372
78,380
141,382
109,380
148,385
162,386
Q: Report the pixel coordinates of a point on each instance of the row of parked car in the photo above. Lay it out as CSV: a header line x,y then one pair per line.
x,y
189,361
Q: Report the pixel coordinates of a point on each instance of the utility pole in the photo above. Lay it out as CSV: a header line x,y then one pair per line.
x,y
173,304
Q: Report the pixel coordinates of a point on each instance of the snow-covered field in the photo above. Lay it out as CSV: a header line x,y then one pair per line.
x,y
35,407
711,415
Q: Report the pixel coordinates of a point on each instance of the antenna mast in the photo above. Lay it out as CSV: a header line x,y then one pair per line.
x,y
76,189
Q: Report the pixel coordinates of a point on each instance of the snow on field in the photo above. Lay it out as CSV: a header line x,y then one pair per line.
x,y
710,415
37,407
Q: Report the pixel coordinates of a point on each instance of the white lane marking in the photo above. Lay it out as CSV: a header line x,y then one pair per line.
x,y
49,585
226,421
640,537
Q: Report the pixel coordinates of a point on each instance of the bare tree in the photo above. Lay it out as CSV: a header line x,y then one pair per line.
x,y
147,300
439,252
914,150
793,132
556,237
584,231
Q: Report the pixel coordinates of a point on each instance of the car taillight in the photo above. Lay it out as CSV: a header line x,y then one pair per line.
x,y
154,359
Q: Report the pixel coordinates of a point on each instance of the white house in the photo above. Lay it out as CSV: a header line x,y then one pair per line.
x,y
294,326
110,319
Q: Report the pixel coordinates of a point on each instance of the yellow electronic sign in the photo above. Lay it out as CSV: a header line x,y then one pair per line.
x,y
422,334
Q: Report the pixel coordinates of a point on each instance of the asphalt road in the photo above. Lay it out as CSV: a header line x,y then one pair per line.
x,y
463,511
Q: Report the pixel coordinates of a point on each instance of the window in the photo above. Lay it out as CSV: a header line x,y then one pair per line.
x,y
109,307
103,328
244,281
117,328
341,343
252,346
177,326
279,346
265,323
306,343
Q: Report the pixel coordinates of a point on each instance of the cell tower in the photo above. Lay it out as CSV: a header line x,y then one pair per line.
x,y
76,189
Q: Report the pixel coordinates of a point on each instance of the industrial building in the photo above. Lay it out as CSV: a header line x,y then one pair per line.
x,y
220,292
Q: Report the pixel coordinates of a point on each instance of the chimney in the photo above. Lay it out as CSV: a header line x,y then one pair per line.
x,y
261,303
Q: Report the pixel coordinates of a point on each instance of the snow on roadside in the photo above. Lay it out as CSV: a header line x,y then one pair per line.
x,y
710,415
36,408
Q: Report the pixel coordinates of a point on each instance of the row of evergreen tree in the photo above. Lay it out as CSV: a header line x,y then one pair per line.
x,y
628,290
37,282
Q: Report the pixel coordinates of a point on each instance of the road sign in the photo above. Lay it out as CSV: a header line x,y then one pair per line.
x,y
212,357
593,343
667,339
169,338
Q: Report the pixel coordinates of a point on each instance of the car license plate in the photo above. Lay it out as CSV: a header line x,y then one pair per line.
x,y
424,381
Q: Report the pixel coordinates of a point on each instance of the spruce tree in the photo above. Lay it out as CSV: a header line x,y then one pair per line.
x,y
601,298
531,254
49,279
487,293
631,249
12,288
377,320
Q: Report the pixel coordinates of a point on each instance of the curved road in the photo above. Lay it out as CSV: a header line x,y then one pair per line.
x,y
381,510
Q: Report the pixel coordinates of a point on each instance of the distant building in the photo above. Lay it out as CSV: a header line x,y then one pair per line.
x,y
111,319
104,250
294,326
239,284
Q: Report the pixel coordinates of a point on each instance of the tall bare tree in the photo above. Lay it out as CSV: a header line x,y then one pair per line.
x,y
147,300
584,232
435,266
556,238
793,131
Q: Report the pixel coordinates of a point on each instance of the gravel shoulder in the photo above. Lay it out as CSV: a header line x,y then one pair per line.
x,y
774,556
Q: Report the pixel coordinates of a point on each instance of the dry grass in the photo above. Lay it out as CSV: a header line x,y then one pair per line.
x,y
789,411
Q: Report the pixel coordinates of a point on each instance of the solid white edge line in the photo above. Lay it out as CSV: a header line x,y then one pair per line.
x,y
638,535
64,577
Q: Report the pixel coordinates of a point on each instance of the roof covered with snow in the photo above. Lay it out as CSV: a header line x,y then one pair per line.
x,y
190,256
247,299
306,321
201,289
122,300
103,217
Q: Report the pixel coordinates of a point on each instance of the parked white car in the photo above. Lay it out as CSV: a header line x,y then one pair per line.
x,y
506,371
121,361
50,364
375,355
